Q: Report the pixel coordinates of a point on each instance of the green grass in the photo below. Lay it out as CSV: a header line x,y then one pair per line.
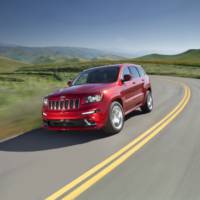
x,y
9,65
172,70
20,102
23,86
190,57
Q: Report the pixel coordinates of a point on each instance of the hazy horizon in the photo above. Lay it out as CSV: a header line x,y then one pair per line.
x,y
114,51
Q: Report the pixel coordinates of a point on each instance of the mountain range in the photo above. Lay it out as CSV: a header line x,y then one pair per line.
x,y
46,55
53,54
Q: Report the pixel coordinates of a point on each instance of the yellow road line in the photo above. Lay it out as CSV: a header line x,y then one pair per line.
x,y
118,153
75,193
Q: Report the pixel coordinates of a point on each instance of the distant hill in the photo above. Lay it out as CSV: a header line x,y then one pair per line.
x,y
9,65
52,54
191,56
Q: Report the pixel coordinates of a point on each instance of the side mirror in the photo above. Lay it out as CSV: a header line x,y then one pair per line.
x,y
69,83
127,77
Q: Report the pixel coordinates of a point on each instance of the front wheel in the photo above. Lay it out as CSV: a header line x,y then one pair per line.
x,y
148,105
115,120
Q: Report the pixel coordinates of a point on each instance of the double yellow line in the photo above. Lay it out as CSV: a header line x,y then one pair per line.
x,y
90,177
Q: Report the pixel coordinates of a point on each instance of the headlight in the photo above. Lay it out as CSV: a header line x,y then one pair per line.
x,y
45,101
93,98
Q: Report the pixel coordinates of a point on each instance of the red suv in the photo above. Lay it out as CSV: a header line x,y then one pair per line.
x,y
99,98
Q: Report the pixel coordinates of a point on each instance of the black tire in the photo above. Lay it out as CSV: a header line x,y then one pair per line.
x,y
110,127
148,105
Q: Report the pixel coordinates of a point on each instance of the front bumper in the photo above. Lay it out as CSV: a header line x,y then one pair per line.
x,y
74,120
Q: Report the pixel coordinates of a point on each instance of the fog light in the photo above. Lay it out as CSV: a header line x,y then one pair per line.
x,y
89,123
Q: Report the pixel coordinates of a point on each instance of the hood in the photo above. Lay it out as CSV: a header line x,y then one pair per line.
x,y
81,89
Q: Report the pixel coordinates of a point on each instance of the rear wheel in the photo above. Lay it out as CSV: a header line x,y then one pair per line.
x,y
148,106
115,120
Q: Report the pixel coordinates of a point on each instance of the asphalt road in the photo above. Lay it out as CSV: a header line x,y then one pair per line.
x,y
39,163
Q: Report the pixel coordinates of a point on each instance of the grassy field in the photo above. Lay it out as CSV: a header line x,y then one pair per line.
x,y
190,57
21,95
9,65
23,86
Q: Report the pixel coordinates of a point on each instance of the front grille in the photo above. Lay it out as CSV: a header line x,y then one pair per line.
x,y
67,104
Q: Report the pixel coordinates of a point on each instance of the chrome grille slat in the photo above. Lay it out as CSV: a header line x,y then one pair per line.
x,y
66,104
71,103
54,105
61,105
77,103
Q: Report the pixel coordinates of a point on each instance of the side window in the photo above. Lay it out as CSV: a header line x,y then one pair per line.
x,y
141,71
134,72
125,71
82,79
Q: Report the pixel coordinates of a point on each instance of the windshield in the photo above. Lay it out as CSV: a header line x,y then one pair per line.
x,y
98,75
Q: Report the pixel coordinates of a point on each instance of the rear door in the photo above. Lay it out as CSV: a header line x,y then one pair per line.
x,y
138,83
128,91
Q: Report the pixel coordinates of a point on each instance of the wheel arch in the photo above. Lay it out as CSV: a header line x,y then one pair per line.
x,y
119,100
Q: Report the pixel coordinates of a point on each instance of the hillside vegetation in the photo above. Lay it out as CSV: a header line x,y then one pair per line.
x,y
190,57
10,65
38,55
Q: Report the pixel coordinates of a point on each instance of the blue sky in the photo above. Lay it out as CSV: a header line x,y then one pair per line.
x,y
166,26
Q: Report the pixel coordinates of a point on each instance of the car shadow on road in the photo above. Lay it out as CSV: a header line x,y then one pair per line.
x,y
41,139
